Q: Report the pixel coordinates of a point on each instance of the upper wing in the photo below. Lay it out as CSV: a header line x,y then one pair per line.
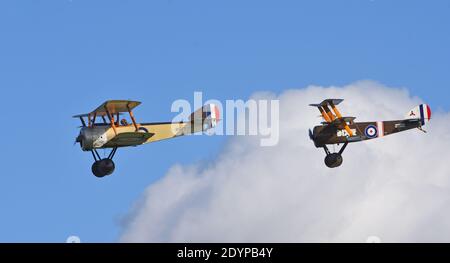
x,y
113,107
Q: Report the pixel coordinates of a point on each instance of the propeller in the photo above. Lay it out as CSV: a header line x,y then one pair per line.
x,y
78,139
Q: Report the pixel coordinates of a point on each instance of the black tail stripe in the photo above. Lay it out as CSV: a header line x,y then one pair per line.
x,y
422,117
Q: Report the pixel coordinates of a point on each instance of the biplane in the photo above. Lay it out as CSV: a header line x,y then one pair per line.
x,y
336,129
107,128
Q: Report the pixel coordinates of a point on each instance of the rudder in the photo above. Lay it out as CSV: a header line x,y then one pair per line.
x,y
421,112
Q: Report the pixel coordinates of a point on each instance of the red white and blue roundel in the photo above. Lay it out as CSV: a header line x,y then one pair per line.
x,y
371,131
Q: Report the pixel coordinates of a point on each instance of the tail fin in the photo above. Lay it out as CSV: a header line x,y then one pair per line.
x,y
208,116
421,112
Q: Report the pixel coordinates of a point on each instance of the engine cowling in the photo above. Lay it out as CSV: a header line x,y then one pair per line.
x,y
90,138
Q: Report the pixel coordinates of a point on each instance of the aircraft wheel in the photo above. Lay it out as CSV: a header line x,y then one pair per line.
x,y
333,160
103,167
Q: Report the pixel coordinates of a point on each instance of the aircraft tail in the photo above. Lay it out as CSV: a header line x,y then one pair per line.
x,y
421,112
208,116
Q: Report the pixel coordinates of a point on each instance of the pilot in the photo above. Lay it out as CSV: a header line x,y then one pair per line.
x,y
124,122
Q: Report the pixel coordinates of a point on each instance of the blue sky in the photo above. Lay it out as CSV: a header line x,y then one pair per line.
x,y
60,58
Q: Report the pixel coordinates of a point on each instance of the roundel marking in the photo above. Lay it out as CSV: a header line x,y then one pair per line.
x,y
371,131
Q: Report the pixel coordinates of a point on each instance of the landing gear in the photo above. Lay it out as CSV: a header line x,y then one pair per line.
x,y
333,160
103,167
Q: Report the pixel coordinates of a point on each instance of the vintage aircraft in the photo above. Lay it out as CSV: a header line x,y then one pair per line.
x,y
343,130
107,128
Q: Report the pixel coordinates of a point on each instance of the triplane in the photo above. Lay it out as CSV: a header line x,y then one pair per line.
x,y
343,130
106,127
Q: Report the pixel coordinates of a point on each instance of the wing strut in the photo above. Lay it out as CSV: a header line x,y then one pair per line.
x,y
132,118
339,115
111,119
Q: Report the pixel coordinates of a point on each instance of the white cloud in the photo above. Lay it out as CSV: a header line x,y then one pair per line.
x,y
396,188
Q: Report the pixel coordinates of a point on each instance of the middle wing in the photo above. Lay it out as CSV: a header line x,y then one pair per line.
x,y
129,138
340,123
